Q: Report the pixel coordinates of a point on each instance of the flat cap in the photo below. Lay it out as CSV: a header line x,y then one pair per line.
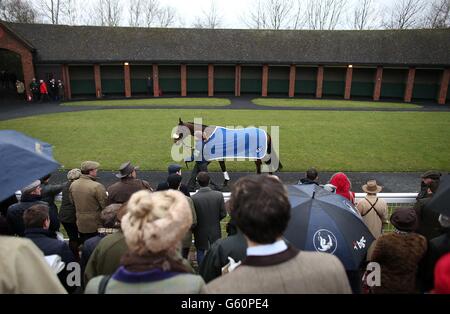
x,y
89,165
174,168
431,174
31,187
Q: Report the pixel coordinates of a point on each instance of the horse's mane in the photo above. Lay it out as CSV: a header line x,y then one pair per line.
x,y
203,125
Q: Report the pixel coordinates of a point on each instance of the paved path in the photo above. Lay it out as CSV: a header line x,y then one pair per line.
x,y
393,182
12,109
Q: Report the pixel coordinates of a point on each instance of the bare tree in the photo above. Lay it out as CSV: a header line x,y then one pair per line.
x,y
279,13
270,14
298,19
108,12
72,14
210,18
18,11
136,7
151,9
166,16
363,14
404,14
324,14
438,15
257,17
53,10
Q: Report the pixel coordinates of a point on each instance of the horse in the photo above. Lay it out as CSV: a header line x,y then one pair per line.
x,y
208,133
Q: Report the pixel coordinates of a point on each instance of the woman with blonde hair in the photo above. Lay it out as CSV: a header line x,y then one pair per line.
x,y
153,228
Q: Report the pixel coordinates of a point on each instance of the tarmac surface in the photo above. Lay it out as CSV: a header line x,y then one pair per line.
x,y
11,108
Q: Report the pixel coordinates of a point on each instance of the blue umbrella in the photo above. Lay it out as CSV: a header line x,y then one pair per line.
x,y
22,160
325,222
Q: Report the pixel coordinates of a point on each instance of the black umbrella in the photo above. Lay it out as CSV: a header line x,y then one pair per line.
x,y
22,160
325,222
440,201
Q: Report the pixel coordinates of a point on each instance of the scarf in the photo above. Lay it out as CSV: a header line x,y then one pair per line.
x,y
165,260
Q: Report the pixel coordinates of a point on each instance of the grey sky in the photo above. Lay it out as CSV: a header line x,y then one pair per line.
x,y
232,12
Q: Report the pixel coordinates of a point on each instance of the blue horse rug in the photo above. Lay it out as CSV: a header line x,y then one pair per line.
x,y
248,143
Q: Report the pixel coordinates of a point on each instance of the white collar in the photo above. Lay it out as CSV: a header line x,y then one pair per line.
x,y
267,249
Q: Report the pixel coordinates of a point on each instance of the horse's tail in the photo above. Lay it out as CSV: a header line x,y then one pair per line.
x,y
280,165
273,154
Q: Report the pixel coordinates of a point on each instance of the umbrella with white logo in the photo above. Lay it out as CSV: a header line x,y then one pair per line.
x,y
326,222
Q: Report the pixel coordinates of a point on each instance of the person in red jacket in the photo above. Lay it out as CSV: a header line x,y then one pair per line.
x,y
343,186
43,90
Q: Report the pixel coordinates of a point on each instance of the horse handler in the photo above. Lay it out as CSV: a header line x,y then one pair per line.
x,y
201,164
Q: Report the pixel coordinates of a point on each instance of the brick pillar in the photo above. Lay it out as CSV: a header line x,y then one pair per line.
x,y
265,80
210,80
28,72
348,83
292,77
443,90
377,83
237,80
98,81
319,88
66,82
155,70
127,79
410,85
183,80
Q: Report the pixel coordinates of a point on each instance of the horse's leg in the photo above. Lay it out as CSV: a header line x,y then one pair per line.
x,y
258,163
226,177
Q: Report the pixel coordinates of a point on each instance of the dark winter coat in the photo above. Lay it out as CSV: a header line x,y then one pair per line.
x,y
67,213
15,214
49,245
162,186
210,209
49,192
234,246
307,181
429,225
4,205
437,248
399,255
88,247
120,192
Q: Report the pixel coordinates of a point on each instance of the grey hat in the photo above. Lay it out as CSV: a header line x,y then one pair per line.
x,y
31,187
126,169
89,165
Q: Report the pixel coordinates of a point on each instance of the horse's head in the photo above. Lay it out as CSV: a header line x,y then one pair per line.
x,y
182,130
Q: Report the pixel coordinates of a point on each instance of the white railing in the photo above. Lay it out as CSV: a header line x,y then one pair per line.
x,y
390,198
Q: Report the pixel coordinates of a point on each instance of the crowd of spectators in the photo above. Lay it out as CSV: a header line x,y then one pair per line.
x,y
130,238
